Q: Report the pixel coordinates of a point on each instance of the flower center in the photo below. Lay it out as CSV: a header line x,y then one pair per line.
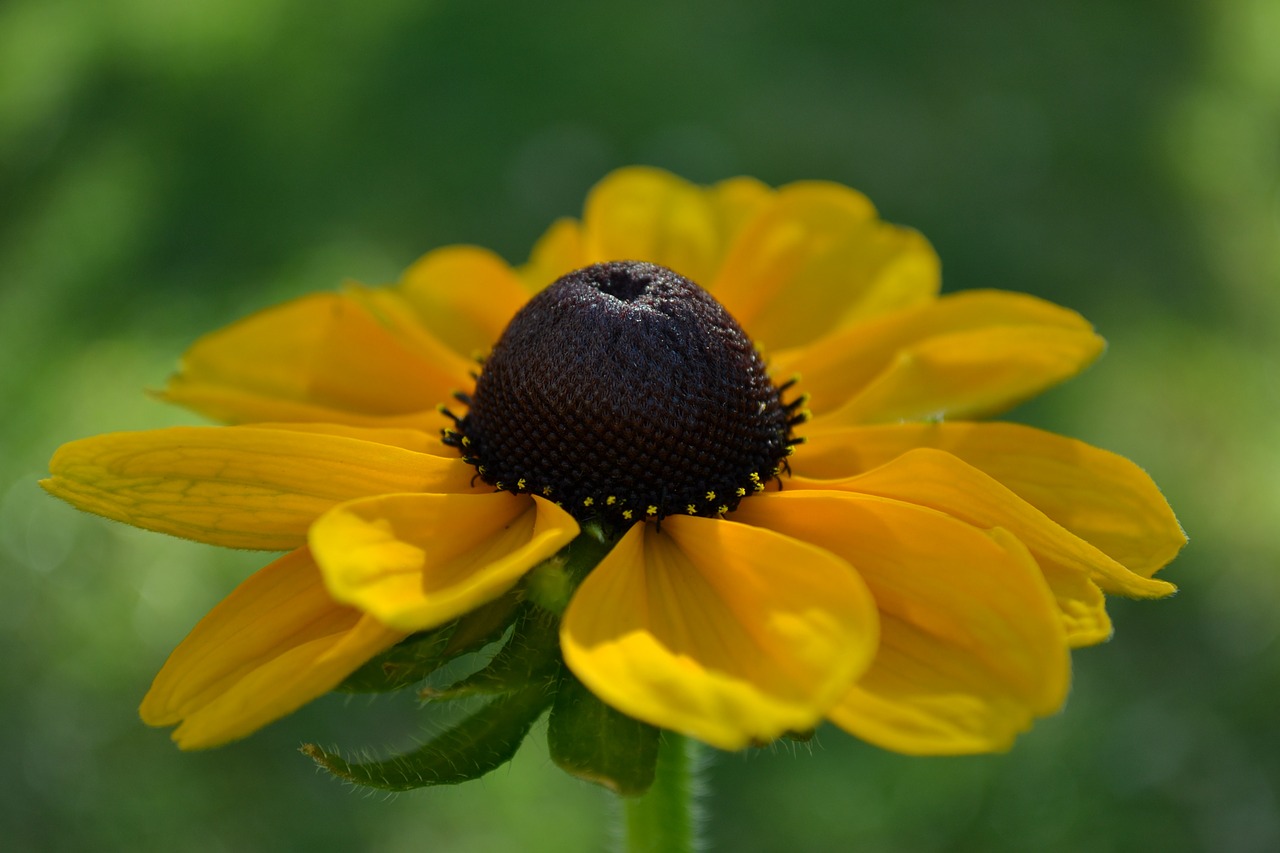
x,y
626,392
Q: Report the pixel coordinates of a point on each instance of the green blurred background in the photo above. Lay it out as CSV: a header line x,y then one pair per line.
x,y
166,167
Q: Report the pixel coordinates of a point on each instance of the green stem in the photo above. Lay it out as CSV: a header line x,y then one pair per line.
x,y
667,818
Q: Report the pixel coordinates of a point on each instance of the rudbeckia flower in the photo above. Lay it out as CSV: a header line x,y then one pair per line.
x,y
759,399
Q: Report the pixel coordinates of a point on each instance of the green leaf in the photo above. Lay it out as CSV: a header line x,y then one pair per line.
x,y
523,676
482,742
402,665
421,654
530,656
594,742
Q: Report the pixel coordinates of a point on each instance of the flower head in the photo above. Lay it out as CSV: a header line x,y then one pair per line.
x,y
626,392
754,400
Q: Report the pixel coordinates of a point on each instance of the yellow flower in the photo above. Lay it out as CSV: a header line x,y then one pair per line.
x,y
918,579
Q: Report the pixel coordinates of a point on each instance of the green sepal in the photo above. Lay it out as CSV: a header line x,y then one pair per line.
x,y
530,656
794,736
551,584
592,741
421,654
526,670
484,625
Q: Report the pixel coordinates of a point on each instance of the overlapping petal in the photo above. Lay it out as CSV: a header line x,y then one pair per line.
x,y
240,487
816,259
789,265
627,217
277,642
1099,496
723,631
558,251
403,437
972,648
1072,566
937,479
402,321
736,202
648,214
415,561
967,354
464,296
325,357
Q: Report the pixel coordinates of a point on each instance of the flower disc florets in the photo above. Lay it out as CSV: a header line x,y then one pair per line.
x,y
626,392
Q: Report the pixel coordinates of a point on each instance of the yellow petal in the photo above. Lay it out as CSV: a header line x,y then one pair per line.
x,y
1099,496
971,374
968,353
322,357
736,202
416,561
235,406
410,439
1072,566
558,251
404,321
816,259
944,482
240,487
277,642
725,632
640,195
465,296
646,214
972,647
1081,604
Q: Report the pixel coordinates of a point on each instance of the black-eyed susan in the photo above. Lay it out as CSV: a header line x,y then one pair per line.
x,y
757,402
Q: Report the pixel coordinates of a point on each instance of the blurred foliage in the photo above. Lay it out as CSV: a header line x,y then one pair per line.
x,y
168,167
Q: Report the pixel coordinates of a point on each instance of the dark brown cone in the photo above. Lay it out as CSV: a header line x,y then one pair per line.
x,y
625,391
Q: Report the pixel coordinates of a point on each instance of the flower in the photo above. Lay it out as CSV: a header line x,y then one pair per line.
x,y
913,574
